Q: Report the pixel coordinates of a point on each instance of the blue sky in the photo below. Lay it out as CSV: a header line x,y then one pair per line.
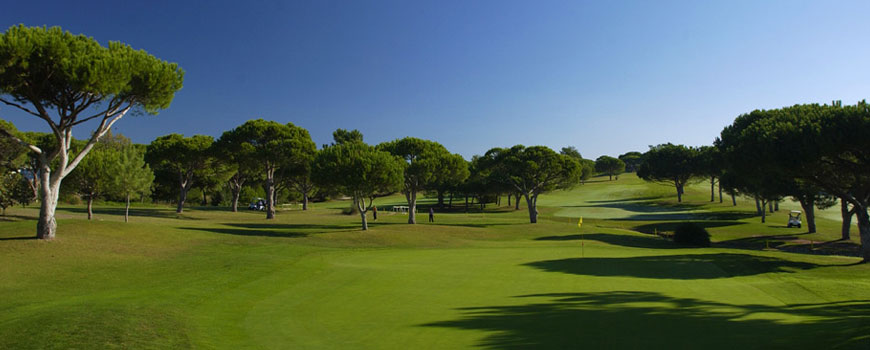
x,y
606,77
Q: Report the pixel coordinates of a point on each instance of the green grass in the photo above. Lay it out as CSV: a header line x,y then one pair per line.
x,y
213,279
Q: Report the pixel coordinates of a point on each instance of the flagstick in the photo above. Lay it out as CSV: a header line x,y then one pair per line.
x,y
582,242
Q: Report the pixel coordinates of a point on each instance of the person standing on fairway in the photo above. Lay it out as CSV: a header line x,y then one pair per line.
x,y
375,213
431,214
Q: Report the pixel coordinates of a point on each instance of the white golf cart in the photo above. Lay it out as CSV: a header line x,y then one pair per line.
x,y
794,219
258,204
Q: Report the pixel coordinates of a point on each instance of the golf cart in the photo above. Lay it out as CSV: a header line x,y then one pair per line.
x,y
258,204
794,219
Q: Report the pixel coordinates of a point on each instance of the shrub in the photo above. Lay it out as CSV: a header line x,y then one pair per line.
x,y
692,234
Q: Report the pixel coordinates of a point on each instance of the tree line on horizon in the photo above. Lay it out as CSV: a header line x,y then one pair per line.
x,y
280,162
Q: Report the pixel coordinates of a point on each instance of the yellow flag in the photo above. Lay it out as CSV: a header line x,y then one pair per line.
x,y
580,223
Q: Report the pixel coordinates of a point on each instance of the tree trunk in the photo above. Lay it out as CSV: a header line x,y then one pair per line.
x,y
411,196
204,201
611,176
712,188
847,220
757,206
533,210
679,193
46,226
304,201
509,199
450,201
864,231
275,198
720,191
182,197
34,184
770,206
733,199
776,206
90,206
127,210
808,205
517,202
270,197
440,199
763,214
361,205
237,190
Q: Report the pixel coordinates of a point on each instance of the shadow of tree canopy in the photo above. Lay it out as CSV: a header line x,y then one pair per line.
x,y
479,225
682,267
164,213
285,227
728,215
18,238
671,226
796,243
247,232
644,320
642,206
282,230
623,200
12,218
635,241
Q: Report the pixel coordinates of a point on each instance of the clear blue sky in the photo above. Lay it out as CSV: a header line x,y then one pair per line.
x,y
606,77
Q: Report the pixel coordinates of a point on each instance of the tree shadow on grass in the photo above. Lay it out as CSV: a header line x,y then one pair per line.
x,y
134,212
479,225
285,227
648,320
635,241
641,206
13,218
795,243
283,230
26,238
727,215
247,232
624,200
671,226
680,267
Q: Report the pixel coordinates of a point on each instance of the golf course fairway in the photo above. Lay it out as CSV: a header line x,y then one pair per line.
x,y
212,279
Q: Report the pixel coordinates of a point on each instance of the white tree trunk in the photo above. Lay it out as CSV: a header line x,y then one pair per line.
x,y
182,197
411,196
90,206
46,226
847,220
270,198
236,192
712,188
361,205
127,210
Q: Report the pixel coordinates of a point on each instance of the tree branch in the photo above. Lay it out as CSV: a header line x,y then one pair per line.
x,y
30,146
110,111
25,109
101,130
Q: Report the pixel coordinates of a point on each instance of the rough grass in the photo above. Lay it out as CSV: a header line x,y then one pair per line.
x,y
213,279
